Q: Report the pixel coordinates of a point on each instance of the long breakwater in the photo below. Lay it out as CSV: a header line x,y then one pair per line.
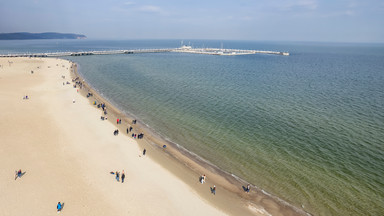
x,y
205,51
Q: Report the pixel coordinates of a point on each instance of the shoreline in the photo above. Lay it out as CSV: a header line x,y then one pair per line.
x,y
67,154
188,166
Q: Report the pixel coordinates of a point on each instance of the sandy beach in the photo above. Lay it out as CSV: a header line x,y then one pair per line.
x,y
67,153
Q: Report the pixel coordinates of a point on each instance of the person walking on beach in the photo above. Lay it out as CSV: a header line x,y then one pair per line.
x,y
116,132
203,177
213,190
144,151
122,176
117,176
17,174
59,207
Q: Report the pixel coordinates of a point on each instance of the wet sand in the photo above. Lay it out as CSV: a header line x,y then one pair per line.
x,y
68,152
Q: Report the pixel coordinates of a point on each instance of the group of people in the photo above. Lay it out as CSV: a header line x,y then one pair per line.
x,y
203,178
118,120
62,76
78,83
138,136
134,135
117,176
89,94
104,107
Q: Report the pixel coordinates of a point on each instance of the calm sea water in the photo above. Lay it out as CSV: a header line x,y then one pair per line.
x,y
308,128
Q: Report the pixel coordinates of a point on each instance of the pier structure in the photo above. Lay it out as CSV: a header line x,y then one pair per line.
x,y
217,51
183,49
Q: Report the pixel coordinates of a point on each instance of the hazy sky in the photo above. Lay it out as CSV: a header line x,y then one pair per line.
x,y
283,20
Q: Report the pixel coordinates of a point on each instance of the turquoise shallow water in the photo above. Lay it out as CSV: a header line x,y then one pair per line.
x,y
308,128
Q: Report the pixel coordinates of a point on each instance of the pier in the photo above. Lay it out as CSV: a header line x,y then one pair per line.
x,y
183,49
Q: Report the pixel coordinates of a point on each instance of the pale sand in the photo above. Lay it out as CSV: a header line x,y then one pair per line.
x,y
67,153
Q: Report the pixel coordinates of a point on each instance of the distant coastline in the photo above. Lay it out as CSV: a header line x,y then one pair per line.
x,y
45,35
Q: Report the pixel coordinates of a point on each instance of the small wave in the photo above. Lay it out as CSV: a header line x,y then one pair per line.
x,y
258,210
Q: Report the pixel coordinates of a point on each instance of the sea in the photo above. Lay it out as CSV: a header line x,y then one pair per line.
x,y
307,128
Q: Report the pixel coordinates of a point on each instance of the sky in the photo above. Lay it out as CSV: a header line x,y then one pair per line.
x,y
259,20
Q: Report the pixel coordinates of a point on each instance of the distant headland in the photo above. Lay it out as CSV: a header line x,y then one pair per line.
x,y
45,35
